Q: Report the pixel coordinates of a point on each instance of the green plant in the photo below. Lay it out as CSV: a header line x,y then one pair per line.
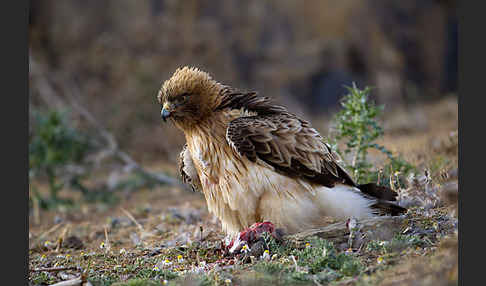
x,y
102,280
138,282
321,255
398,243
357,125
319,260
270,268
53,145
42,278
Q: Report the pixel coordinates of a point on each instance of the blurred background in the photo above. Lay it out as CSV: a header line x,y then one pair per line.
x,y
96,67
118,53
103,165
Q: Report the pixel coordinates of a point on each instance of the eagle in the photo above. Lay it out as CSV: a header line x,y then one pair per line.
x,y
256,162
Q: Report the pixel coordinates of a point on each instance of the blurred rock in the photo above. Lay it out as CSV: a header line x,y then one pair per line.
x,y
188,215
450,193
58,219
182,239
161,228
407,49
66,276
123,221
73,242
135,239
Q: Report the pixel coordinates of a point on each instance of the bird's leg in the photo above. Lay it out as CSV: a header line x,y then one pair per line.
x,y
251,235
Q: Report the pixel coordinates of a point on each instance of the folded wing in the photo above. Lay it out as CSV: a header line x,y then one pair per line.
x,y
289,145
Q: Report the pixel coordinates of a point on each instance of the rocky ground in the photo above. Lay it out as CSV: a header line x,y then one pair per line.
x,y
165,235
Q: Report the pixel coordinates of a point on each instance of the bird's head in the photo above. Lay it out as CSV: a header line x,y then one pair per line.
x,y
188,97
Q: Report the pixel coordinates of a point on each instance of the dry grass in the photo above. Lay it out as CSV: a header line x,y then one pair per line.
x,y
115,249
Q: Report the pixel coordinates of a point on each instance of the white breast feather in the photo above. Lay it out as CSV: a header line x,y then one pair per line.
x,y
239,192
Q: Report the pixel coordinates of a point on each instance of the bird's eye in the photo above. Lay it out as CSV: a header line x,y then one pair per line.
x,y
181,98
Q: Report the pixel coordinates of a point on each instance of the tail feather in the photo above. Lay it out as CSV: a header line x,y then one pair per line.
x,y
378,192
383,206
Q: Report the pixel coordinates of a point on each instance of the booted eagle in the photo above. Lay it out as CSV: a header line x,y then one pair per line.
x,y
254,161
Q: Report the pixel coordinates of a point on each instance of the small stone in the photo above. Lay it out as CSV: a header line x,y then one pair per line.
x,y
58,219
73,242
135,238
155,251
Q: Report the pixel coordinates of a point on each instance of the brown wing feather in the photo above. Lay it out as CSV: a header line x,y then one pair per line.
x,y
288,144
236,99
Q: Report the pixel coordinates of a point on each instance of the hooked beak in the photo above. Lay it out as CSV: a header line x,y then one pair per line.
x,y
164,114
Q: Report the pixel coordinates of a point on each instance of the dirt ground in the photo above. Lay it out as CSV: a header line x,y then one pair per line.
x,y
165,235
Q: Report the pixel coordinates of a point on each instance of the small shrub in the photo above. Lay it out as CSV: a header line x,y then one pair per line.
x,y
138,282
398,243
53,145
205,280
318,260
357,125
270,268
102,281
43,278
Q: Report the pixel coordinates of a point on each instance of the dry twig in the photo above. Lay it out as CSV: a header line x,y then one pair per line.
x,y
54,269
46,233
61,237
129,215
107,241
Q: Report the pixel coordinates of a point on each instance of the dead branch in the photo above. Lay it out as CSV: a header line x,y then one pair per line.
x,y
129,215
107,241
49,95
376,228
53,269
72,282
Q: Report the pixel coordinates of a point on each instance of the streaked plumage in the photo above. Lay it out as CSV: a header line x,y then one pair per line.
x,y
255,161
188,170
